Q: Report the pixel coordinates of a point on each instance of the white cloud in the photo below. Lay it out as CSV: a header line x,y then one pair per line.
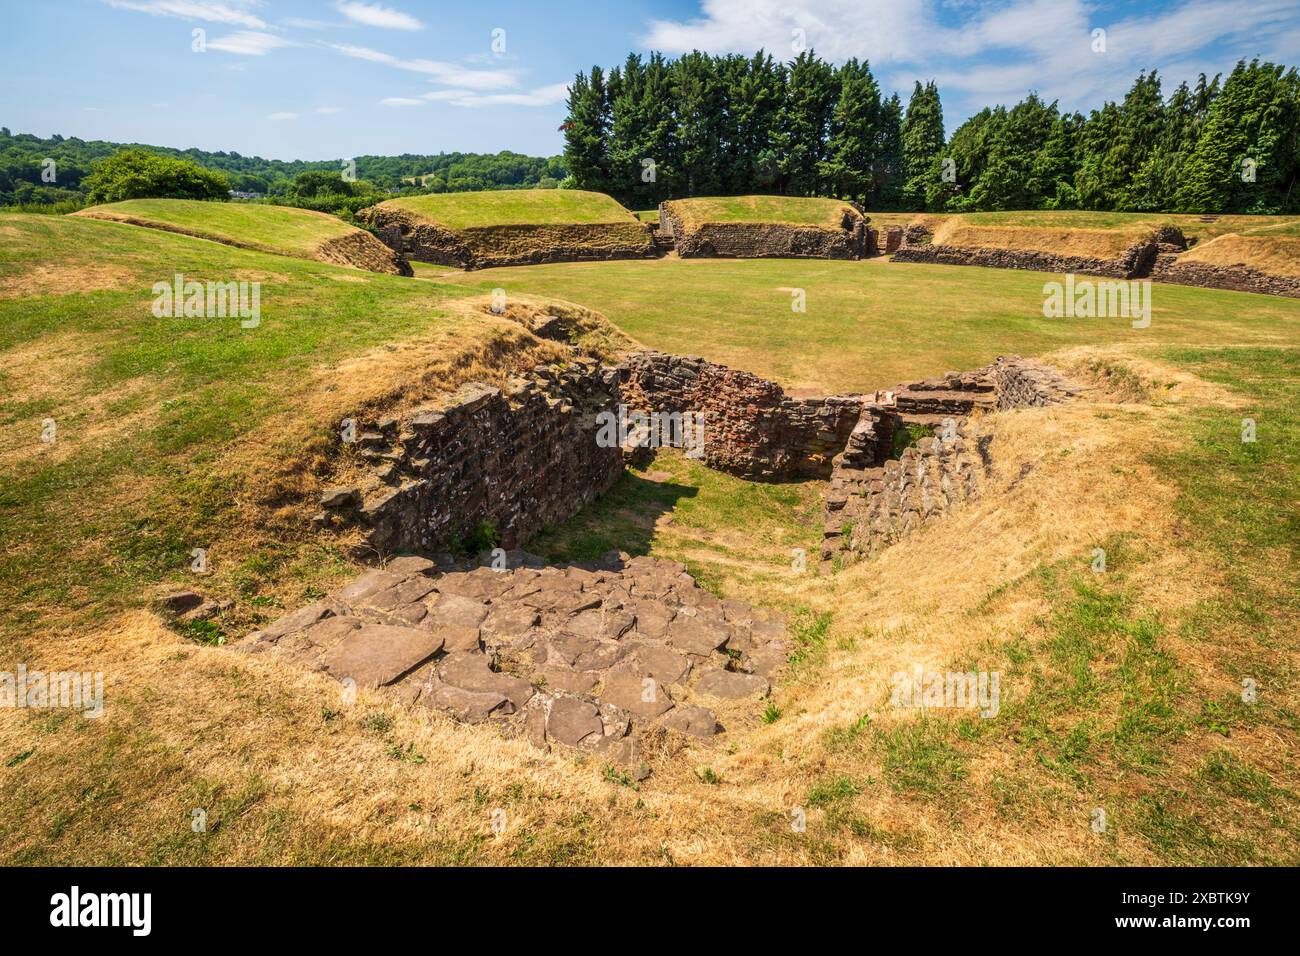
x,y
249,43
304,23
441,72
399,101
441,96
327,110
235,12
541,96
283,116
374,15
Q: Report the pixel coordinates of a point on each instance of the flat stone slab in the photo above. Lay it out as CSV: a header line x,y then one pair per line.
x,y
572,721
467,705
640,696
375,655
731,685
691,719
573,656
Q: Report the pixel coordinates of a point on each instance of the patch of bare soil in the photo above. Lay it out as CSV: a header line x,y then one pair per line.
x,y
60,279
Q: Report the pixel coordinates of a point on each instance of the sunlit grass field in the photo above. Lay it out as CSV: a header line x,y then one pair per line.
x,y
872,324
1123,690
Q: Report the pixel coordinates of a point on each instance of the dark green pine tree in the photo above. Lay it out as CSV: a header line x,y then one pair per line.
x,y
854,129
1008,179
923,141
971,149
804,124
642,151
1247,158
699,106
1056,164
755,93
1141,124
1185,113
586,132
887,166
1090,180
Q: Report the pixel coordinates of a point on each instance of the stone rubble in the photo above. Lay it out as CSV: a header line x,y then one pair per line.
x,y
587,656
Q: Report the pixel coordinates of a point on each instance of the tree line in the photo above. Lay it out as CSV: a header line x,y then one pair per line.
x,y
654,129
25,179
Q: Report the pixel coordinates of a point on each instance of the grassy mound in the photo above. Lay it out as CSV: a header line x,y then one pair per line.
x,y
282,230
1273,250
509,227
762,210
183,432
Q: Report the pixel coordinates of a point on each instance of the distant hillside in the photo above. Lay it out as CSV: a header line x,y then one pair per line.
x,y
22,161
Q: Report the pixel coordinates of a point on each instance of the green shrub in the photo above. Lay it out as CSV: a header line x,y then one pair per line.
x,y
137,174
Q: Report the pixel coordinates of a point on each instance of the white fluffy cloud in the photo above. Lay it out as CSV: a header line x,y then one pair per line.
x,y
374,15
451,74
469,99
249,43
236,12
283,116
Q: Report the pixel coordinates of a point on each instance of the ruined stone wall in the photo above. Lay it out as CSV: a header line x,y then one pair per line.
x,y
506,245
714,240
517,459
1234,278
1136,261
875,499
751,427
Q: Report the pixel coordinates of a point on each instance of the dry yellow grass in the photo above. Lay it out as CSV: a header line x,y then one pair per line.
x,y
293,774
1279,255
1094,243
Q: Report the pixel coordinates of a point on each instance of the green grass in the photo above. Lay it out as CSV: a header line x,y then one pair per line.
x,y
280,229
778,210
145,494
871,324
516,207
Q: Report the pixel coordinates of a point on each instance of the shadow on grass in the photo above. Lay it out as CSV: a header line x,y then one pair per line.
x,y
623,519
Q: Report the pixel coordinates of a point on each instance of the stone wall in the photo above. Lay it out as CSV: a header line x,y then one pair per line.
x,y
506,245
874,499
713,240
516,459
751,427
1135,262
1235,278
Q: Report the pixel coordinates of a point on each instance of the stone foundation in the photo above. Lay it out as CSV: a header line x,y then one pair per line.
x,y
1136,261
751,427
513,460
590,656
714,240
874,499
506,245
1233,278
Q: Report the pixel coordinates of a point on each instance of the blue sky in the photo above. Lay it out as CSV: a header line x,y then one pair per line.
x,y
319,79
